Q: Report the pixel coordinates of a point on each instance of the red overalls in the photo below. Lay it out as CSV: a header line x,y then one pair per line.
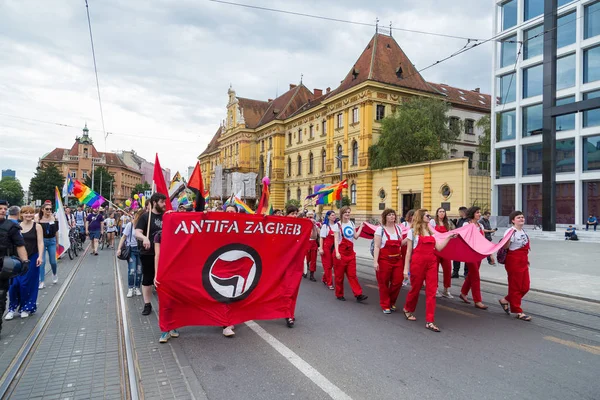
x,y
311,252
390,273
472,280
423,267
446,264
517,269
346,265
327,257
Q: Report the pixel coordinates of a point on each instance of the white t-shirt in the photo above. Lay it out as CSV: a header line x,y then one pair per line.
x,y
405,224
518,240
393,236
432,223
410,235
124,220
110,225
348,230
325,229
130,239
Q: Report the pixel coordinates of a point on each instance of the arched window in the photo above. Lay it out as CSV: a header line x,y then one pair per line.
x,y
261,167
298,194
289,167
339,155
310,190
310,163
299,164
270,143
323,159
355,153
289,195
353,193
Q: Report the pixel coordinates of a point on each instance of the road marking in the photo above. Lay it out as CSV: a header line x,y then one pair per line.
x,y
454,310
574,345
311,373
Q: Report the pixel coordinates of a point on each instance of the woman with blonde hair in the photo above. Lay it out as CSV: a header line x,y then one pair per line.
x,y
423,266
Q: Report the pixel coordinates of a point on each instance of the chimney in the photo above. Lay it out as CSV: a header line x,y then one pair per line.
x,y
328,90
270,100
318,92
292,86
476,90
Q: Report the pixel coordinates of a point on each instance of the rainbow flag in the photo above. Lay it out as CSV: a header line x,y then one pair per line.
x,y
264,206
234,200
327,194
87,196
206,197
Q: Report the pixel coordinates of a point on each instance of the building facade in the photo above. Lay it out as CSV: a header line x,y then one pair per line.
x,y
516,137
134,160
304,138
9,173
82,158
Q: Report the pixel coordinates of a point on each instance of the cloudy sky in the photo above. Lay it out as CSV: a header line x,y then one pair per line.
x,y
165,66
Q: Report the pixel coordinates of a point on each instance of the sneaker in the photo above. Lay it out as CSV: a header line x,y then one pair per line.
x,y
54,278
447,294
361,297
41,285
290,322
331,287
341,298
387,311
393,308
130,292
24,314
147,310
438,294
228,331
164,337
9,315
137,291
405,282
454,276
174,333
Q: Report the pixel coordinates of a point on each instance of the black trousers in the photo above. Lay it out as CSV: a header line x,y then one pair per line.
x,y
456,267
4,284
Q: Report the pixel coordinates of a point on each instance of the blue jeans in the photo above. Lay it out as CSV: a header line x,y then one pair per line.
x,y
50,247
134,268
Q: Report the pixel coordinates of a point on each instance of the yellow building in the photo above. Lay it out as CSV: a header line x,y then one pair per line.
x,y
299,135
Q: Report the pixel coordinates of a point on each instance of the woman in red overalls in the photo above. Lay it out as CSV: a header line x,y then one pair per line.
x,y
388,260
345,257
423,266
472,280
517,267
326,248
441,224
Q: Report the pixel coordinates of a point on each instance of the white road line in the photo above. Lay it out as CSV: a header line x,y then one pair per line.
x,y
311,373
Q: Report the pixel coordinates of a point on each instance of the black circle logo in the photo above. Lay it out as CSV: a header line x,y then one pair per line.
x,y
232,272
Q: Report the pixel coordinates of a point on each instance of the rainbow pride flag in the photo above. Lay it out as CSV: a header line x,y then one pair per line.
x,y
87,196
234,200
206,197
327,194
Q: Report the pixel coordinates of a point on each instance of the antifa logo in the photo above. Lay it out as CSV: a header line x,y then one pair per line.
x,y
232,272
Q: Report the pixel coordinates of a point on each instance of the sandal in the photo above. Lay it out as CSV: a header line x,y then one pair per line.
x,y
409,316
432,327
523,317
482,307
464,298
505,307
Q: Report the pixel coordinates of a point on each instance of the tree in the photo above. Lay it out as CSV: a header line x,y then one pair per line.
x,y
101,176
415,133
44,181
141,188
485,142
11,191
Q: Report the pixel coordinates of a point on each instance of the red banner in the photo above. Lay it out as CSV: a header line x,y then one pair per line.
x,y
469,245
225,268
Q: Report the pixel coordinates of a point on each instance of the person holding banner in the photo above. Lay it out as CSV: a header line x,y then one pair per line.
x,y
441,224
345,258
50,228
472,280
173,333
326,247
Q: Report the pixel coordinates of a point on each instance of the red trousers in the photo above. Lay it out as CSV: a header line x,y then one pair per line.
x,y
327,261
447,271
311,255
517,269
472,282
389,278
423,268
347,265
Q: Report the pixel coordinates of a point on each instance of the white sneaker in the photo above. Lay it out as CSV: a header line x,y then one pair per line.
x,y
137,291
24,314
41,285
438,294
228,331
9,315
130,292
54,278
447,294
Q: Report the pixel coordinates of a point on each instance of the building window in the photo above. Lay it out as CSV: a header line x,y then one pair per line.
x,y
353,193
532,159
339,156
379,112
453,153
288,195
484,162
591,24
505,162
508,51
289,167
237,149
355,115
340,120
565,155
469,155
509,14
532,203
506,125
533,8
310,190
298,194
565,122
454,122
591,196
591,117
73,174
566,31
565,196
355,153
289,138
506,200
591,64
591,153
310,163
533,47
323,159
506,88
299,165
299,135
311,133
565,72
469,126
532,120
262,145
84,174
324,130
532,81
270,143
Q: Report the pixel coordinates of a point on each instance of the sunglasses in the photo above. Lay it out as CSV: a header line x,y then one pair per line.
x,y
47,209
427,215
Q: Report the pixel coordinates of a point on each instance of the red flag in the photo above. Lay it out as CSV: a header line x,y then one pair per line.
x,y
196,185
264,206
159,182
224,269
469,246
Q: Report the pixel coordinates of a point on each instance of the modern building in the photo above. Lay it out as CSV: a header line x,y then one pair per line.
x,y
518,86
296,138
134,160
82,158
9,173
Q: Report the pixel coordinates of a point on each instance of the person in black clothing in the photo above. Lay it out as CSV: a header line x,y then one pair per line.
x,y
456,264
157,202
487,231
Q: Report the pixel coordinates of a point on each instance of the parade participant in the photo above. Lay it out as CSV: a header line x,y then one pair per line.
x,y
408,219
277,212
313,248
173,333
517,267
23,291
459,223
423,266
326,247
50,232
345,258
487,230
111,230
124,220
292,211
472,280
388,260
70,218
228,331
94,227
145,230
134,264
441,224
80,218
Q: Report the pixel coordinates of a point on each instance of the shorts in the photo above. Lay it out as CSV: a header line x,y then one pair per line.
x,y
147,269
94,235
81,228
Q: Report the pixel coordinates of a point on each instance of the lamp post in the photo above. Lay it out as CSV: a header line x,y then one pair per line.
x,y
340,159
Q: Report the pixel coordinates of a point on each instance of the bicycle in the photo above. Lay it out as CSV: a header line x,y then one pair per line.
x,y
73,239
102,240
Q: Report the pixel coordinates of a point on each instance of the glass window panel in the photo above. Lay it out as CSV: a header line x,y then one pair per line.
x,y
506,200
563,2
533,47
591,64
533,81
591,199
506,127
532,203
508,51
565,122
532,120
566,30
532,159
565,203
506,88
565,72
533,8
592,117
509,14
591,20
591,153
565,155
505,162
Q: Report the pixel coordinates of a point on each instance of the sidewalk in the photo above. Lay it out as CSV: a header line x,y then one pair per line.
x,y
558,267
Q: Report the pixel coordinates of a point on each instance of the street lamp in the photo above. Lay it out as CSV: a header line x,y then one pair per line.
x,y
341,158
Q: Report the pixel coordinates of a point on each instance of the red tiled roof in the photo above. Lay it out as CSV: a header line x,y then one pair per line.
x,y
54,155
253,110
470,98
75,151
213,144
113,160
286,104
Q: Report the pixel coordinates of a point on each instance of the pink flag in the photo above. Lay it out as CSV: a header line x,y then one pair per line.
x,y
469,246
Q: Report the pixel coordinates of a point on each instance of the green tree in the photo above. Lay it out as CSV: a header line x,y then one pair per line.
x,y
101,176
140,188
44,181
415,133
11,191
485,143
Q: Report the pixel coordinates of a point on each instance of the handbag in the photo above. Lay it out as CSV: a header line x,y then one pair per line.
x,y
125,252
501,255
